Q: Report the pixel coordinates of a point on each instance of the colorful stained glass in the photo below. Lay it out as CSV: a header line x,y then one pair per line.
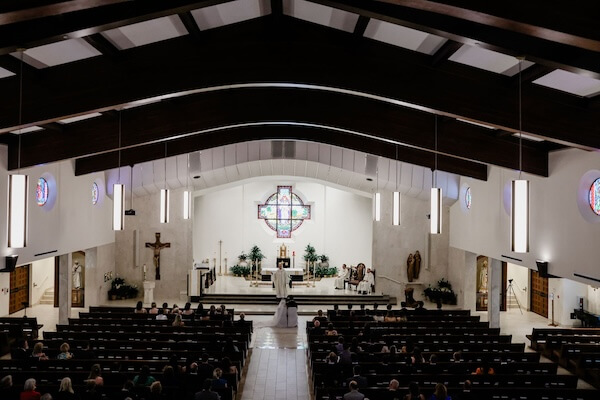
x,y
284,211
41,192
95,193
468,198
595,196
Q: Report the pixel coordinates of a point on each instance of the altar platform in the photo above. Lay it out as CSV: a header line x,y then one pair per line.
x,y
229,289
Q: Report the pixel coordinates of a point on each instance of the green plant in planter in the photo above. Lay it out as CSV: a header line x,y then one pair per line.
x,y
242,258
240,270
119,290
442,293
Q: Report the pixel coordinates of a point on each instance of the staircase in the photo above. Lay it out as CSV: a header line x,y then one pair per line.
x,y
47,297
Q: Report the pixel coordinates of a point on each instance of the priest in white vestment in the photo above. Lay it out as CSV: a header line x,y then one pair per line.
x,y
367,283
281,280
343,276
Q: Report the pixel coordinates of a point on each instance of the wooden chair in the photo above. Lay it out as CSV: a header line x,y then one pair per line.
x,y
357,276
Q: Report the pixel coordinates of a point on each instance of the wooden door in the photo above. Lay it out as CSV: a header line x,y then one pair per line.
x,y
539,294
19,288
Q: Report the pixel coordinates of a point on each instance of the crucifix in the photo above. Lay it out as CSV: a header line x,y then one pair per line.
x,y
157,246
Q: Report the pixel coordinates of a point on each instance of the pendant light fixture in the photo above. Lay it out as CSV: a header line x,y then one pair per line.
x,y
519,218
164,196
396,199
187,194
18,188
436,195
377,199
119,193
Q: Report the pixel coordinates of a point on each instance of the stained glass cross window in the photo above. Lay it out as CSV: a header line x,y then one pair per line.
x,y
284,211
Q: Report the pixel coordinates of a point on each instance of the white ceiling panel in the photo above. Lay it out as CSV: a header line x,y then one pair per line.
x,y
571,83
27,130
241,152
301,150
206,160
312,152
488,60
58,53
146,32
324,154
4,73
320,14
404,37
79,118
230,13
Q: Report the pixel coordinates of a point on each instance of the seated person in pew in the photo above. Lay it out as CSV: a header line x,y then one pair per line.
x,y
95,376
440,393
65,391
22,351
207,392
317,328
65,354
187,309
144,378
139,308
393,393
153,309
353,394
38,351
360,380
218,381
7,390
29,392
414,392
330,331
485,369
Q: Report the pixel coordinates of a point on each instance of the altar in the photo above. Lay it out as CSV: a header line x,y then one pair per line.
x,y
295,273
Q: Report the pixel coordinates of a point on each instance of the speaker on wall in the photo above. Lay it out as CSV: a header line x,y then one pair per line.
x,y
542,267
10,263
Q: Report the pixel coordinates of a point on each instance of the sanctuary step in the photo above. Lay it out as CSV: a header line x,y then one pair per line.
x,y
301,299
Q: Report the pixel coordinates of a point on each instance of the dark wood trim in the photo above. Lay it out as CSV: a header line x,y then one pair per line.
x,y
103,45
445,52
361,25
190,25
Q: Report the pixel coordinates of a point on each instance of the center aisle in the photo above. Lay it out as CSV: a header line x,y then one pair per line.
x,y
278,365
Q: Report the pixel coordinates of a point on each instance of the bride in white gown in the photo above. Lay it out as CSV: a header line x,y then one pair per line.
x,y
280,319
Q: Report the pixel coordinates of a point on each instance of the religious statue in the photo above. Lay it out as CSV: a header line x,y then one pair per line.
x,y
417,264
410,267
76,275
157,246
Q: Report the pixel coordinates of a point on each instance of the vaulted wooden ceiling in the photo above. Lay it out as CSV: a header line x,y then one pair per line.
x,y
280,76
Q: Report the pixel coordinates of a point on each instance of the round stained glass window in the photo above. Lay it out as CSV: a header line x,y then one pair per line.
x,y
95,193
468,198
41,192
595,196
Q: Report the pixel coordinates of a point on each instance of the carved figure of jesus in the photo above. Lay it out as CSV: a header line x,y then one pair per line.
x,y
157,246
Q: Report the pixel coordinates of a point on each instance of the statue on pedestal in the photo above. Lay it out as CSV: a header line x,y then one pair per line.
x,y
417,264
410,267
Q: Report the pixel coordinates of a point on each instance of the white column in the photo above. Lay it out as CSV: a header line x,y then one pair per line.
x,y
64,288
494,287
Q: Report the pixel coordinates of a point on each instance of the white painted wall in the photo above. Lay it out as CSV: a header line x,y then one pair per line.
x,y
42,278
393,244
565,292
72,223
520,276
593,300
340,224
559,233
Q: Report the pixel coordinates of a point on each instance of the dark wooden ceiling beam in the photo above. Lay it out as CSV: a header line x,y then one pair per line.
x,y
557,48
299,52
190,25
530,74
75,19
384,123
361,25
103,45
445,52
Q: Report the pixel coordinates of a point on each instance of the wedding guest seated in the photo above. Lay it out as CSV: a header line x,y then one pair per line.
x,y
346,357
393,393
144,378
317,330
187,309
7,390
417,357
207,392
440,393
339,346
229,346
331,375
200,312
354,394
175,309
139,308
165,309
65,354
21,352
485,369
177,322
65,391
205,368
156,391
29,392
360,380
95,375
153,309
126,391
38,351
242,320
320,317
218,381
389,317
330,331
354,347
414,393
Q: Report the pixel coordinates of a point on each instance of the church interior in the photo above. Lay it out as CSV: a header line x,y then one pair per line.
x,y
425,173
